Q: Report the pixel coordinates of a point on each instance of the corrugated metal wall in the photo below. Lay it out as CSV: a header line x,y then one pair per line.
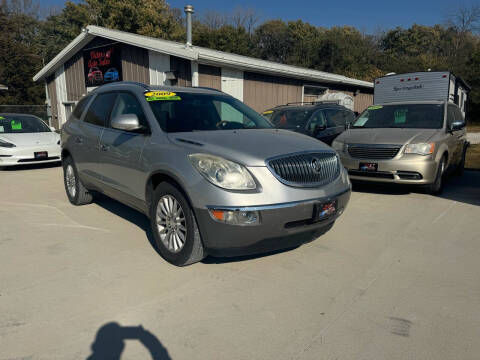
x,y
135,64
209,76
362,101
52,95
75,78
183,71
264,91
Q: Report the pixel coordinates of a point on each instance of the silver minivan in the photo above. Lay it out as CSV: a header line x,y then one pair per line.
x,y
213,176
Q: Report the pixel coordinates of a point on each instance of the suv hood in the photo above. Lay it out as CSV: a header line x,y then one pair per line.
x,y
387,136
31,139
249,147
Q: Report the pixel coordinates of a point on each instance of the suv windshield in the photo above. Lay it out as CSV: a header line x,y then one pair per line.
x,y
186,112
290,118
411,116
15,124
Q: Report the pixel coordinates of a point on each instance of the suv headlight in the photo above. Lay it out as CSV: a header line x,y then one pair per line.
x,y
223,173
6,144
420,149
338,145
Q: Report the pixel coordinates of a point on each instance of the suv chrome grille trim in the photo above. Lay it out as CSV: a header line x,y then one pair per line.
x,y
305,169
374,152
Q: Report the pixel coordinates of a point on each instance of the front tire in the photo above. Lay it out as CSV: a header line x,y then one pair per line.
x,y
436,187
77,193
174,227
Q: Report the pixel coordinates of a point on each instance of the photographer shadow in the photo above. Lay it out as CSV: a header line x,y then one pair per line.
x,y
110,342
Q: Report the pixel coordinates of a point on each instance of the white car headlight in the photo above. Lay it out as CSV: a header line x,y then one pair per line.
x,y
223,173
338,145
420,149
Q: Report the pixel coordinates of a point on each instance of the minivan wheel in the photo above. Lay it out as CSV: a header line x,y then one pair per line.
x,y
436,187
76,192
174,227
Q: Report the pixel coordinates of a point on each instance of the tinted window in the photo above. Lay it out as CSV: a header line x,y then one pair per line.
x,y
291,118
187,112
80,108
415,116
335,117
318,119
127,103
99,111
450,116
21,124
349,117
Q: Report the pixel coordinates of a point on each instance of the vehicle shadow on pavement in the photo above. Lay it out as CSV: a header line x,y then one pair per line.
x,y
110,340
31,166
224,260
463,188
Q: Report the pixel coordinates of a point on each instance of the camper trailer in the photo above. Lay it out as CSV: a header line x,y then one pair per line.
x,y
422,86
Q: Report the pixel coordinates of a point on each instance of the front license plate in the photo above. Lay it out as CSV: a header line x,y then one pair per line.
x,y
41,154
368,167
324,210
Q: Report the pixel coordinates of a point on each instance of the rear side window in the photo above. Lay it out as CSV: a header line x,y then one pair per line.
x,y
99,111
80,108
335,117
128,104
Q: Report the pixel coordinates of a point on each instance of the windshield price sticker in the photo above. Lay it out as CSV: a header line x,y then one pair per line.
x,y
161,96
375,107
267,112
2,118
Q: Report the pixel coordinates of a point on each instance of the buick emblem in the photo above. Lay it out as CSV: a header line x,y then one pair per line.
x,y
316,164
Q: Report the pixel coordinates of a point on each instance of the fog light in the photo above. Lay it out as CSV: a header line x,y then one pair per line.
x,y
235,217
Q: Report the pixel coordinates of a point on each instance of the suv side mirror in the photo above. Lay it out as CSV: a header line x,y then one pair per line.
x,y
457,125
126,122
318,128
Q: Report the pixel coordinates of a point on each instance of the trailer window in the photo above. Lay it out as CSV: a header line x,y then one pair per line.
x,y
415,116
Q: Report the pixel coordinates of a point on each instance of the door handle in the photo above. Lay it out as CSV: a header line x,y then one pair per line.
x,y
78,140
104,147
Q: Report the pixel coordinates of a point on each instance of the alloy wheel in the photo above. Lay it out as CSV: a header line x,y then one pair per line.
x,y
70,180
171,223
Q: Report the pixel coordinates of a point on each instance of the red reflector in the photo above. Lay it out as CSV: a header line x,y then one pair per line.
x,y
444,76
402,80
378,82
416,78
409,79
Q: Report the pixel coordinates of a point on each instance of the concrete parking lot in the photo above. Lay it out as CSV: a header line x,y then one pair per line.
x,y
396,278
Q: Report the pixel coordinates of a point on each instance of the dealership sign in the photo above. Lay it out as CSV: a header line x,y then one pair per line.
x,y
102,65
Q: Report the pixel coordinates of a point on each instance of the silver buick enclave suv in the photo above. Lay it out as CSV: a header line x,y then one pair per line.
x,y
212,175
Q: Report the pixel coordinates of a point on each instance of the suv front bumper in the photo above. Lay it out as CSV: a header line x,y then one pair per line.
x,y
415,169
281,226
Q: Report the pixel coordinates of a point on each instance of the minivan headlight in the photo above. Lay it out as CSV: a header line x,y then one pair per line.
x,y
222,172
420,149
6,144
338,145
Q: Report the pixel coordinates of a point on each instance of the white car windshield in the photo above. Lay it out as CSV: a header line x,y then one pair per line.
x,y
21,124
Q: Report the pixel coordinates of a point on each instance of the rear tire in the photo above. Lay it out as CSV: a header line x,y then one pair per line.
x,y
436,187
174,227
77,193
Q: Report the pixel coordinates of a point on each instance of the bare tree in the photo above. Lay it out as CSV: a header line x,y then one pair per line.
x,y
214,19
465,18
245,17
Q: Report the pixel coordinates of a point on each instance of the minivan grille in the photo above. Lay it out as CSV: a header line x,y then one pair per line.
x,y
305,169
379,152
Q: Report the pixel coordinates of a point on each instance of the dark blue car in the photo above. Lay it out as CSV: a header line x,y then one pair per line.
x,y
111,75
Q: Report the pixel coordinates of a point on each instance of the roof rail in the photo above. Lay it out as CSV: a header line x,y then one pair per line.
x,y
207,88
127,83
313,102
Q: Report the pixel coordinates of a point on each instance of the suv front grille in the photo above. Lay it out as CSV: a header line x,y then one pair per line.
x,y
305,169
380,152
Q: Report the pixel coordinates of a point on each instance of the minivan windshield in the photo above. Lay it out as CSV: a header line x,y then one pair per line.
x,y
409,116
21,124
186,112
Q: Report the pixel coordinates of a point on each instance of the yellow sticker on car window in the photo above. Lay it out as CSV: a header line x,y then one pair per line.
x,y
267,112
2,118
161,95
15,125
375,107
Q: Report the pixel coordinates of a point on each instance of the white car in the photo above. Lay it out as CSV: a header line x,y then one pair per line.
x,y
26,139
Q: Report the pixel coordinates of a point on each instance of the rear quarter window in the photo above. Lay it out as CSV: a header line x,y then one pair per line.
x,y
99,111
